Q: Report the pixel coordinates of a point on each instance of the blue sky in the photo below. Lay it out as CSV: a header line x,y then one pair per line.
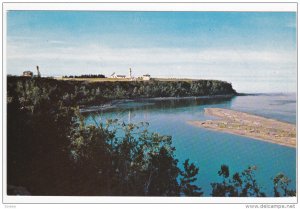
x,y
255,51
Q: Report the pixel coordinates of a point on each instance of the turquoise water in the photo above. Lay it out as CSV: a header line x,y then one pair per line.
x,y
210,149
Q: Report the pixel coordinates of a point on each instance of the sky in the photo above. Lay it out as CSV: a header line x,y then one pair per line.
x,y
255,51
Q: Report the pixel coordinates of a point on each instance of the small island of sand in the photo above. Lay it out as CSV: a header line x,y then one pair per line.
x,y
248,125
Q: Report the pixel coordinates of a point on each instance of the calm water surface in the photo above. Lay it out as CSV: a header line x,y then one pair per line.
x,y
210,149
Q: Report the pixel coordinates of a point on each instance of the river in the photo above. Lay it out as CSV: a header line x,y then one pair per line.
x,y
210,149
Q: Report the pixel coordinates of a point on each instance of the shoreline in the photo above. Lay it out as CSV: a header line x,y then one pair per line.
x,y
248,125
115,103
188,97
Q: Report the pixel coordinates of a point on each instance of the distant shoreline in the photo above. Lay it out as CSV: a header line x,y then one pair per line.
x,y
248,125
265,94
183,98
115,103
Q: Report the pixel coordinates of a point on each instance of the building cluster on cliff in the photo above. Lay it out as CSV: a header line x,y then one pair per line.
x,y
145,77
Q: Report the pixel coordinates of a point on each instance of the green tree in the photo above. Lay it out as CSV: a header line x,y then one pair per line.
x,y
136,162
37,140
189,177
239,185
281,186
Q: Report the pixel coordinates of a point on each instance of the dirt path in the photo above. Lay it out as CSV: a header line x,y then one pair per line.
x,y
248,125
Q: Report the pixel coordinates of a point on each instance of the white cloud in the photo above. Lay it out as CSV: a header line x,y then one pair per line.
x,y
268,68
147,55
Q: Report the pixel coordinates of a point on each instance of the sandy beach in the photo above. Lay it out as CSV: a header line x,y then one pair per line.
x,y
249,125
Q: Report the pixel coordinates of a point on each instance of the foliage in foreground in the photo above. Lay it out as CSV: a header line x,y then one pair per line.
x,y
240,185
52,152
244,184
126,159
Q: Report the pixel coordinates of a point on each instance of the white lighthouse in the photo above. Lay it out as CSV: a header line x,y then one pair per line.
x,y
130,75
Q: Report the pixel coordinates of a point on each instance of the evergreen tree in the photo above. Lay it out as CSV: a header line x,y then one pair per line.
x,y
239,185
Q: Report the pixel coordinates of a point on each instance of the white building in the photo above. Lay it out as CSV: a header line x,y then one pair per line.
x,y
121,76
28,74
146,77
114,75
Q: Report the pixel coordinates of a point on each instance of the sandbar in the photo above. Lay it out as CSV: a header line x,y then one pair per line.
x,y
248,125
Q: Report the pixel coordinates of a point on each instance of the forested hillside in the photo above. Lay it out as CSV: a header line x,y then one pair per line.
x,y
85,93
